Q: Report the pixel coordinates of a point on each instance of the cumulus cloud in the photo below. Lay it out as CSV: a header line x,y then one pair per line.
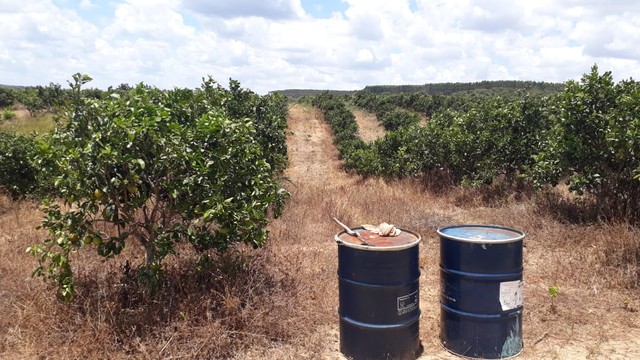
x,y
275,9
86,4
270,45
148,19
36,37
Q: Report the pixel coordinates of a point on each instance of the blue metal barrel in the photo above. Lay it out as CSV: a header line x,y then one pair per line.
x,y
481,290
379,296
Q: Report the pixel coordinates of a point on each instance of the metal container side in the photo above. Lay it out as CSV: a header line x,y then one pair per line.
x,y
379,300
481,298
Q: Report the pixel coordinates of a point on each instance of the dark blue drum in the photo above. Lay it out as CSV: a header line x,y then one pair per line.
x,y
379,304
481,291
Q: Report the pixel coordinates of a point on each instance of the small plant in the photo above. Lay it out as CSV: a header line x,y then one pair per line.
x,y
553,294
8,114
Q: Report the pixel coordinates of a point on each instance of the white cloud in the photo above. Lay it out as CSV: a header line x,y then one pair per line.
x,y
148,19
276,45
38,37
364,56
86,4
274,9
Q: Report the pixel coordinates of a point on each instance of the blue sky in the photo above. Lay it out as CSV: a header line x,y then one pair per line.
x,y
333,44
323,9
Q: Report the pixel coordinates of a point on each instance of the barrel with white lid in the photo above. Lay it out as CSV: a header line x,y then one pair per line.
x,y
482,287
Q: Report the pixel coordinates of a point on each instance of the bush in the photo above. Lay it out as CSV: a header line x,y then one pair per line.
x,y
129,165
395,119
497,137
18,173
7,97
595,143
8,114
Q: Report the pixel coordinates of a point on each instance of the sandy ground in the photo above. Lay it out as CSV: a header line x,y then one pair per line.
x,y
370,127
590,322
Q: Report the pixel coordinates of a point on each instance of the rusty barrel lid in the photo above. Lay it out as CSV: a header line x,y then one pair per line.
x,y
481,234
405,240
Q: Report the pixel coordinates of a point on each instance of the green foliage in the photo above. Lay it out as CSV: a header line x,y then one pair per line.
x,y
7,97
396,119
587,135
8,114
553,291
268,114
353,150
29,98
39,99
156,168
497,137
595,143
493,88
399,152
396,154
493,138
18,173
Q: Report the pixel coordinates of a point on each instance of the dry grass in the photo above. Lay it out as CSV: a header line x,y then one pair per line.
x,y
370,128
209,310
25,124
280,302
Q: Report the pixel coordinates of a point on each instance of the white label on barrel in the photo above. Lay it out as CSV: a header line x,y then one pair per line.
x,y
407,303
511,293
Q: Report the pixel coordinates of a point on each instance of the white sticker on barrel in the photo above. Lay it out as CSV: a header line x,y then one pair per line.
x,y
511,294
407,303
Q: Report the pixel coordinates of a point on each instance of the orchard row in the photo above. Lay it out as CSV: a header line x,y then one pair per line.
x,y
587,135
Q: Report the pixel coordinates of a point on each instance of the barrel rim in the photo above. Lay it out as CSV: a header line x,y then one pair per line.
x,y
377,248
481,241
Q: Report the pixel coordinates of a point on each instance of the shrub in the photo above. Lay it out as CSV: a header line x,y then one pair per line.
x,y
595,143
395,119
127,164
7,97
8,114
18,172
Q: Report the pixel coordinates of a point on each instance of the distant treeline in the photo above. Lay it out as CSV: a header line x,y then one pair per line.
x,y
295,94
501,87
13,87
494,87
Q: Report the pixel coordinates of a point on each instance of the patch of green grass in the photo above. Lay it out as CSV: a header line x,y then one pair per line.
x,y
8,114
39,124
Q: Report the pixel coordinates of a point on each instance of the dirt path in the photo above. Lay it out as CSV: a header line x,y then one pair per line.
x,y
589,324
370,128
313,159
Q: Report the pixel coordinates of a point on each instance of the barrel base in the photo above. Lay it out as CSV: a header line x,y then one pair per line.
x,y
363,342
477,336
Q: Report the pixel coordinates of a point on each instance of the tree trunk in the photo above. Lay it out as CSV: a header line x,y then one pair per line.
x,y
150,252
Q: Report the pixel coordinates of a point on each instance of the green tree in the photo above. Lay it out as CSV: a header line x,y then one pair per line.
x,y
127,164
30,99
595,143
7,97
18,172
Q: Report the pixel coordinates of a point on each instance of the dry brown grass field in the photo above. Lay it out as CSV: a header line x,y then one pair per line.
x,y
280,302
